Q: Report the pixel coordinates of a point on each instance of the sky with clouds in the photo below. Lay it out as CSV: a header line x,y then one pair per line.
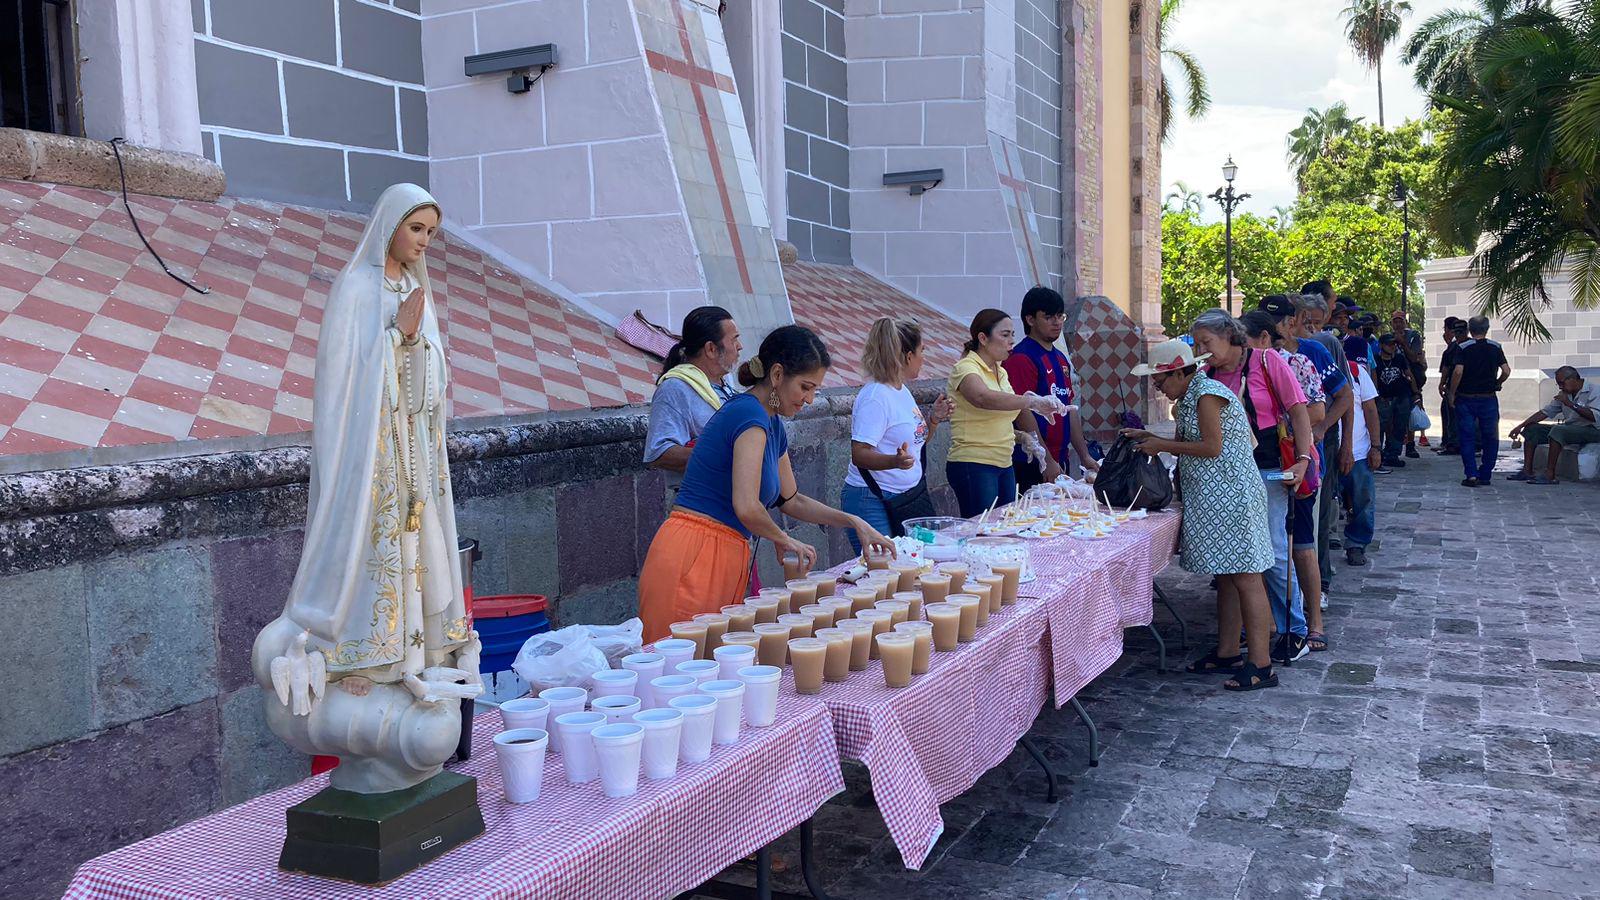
x,y
1267,62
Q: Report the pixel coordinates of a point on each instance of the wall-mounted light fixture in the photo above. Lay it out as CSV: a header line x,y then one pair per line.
x,y
919,181
518,62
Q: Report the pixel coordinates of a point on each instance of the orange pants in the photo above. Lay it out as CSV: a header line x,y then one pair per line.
x,y
695,565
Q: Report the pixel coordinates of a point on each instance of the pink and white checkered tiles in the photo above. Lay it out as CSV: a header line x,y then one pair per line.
x,y
99,348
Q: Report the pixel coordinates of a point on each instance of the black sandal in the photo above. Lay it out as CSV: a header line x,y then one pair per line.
x,y
1212,663
1252,678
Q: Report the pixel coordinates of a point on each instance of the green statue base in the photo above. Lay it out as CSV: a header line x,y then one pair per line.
x,y
376,838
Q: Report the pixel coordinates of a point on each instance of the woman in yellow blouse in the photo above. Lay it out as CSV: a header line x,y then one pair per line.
x,y
988,416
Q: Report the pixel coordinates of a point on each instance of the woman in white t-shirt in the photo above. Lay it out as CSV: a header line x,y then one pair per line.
x,y
887,429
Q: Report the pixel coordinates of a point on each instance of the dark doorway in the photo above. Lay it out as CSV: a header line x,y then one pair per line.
x,y
38,84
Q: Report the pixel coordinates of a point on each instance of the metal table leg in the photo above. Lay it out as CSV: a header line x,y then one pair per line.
x,y
1027,744
764,873
813,883
1161,648
1183,628
1094,733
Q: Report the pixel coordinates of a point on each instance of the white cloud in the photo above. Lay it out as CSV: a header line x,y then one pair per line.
x,y
1267,62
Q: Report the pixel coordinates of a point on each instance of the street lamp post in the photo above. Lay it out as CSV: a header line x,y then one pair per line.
x,y
1229,200
1402,199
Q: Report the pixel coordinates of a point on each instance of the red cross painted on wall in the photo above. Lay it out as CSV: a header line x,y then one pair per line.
x,y
699,78
1018,188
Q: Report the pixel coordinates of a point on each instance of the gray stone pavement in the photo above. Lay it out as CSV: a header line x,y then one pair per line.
x,y
1447,745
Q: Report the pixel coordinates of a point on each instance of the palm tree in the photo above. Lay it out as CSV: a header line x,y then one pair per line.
x,y
1371,26
1441,49
1316,131
1189,199
1518,163
1197,97
1282,218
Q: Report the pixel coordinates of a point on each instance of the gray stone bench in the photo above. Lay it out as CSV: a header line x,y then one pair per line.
x,y
1567,465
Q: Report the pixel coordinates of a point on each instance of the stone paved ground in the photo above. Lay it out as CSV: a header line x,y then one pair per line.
x,y
1448,745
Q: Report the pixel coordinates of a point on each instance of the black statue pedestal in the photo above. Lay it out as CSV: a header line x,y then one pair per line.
x,y
376,838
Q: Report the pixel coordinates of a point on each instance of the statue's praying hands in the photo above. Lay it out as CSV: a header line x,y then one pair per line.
x,y
443,683
409,318
298,677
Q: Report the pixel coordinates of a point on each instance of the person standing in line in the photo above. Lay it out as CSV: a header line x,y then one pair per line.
x,y
1038,364
990,419
1261,329
1270,394
1361,523
1411,348
691,388
1455,331
1481,369
739,473
1397,394
1576,411
888,434
1311,309
1226,531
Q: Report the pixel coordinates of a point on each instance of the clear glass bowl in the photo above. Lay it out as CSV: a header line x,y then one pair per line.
x,y
941,536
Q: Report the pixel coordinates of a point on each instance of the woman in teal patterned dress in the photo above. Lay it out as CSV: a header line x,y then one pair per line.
x,y
1224,509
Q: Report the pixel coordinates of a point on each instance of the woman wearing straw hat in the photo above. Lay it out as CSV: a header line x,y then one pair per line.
x,y
1224,508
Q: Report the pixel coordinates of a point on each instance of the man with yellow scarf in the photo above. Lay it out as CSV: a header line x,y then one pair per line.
x,y
691,387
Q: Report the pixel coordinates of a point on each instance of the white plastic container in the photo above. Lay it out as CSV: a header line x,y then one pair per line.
x,y
760,694
562,700
520,753
577,744
729,695
699,721
617,747
663,730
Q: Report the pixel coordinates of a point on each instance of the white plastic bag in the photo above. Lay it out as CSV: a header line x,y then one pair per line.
x,y
568,656
1419,419
1589,462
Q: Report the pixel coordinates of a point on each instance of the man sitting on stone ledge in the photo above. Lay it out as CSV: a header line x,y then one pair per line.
x,y
1574,410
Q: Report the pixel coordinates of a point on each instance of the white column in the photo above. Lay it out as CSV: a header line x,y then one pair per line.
x,y
137,75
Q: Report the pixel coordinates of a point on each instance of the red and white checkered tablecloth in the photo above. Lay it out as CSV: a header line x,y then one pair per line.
x,y
928,742
1130,559
573,842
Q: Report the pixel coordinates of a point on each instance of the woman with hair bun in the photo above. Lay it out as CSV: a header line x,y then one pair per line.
x,y
988,418
699,560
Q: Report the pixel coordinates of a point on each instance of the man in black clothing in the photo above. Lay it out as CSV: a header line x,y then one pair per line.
x,y
1481,368
1411,348
1397,392
1455,331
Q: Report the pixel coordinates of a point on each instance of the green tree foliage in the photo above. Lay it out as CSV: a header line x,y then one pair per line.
x,y
1371,26
1442,48
1351,244
1196,93
1520,162
1310,139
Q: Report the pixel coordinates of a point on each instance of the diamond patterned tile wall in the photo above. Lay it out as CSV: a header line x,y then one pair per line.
x,y
99,348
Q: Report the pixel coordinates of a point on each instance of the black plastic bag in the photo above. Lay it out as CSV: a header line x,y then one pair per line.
x,y
1126,472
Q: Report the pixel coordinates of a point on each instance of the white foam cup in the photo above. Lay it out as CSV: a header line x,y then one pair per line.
x,y
649,666
668,686
617,747
577,746
616,708
663,730
703,670
729,695
562,700
674,651
613,683
733,657
525,712
699,721
520,753
760,694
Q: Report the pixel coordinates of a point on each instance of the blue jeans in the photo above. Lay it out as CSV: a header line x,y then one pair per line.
x,y
1357,486
977,486
1478,433
861,502
1287,616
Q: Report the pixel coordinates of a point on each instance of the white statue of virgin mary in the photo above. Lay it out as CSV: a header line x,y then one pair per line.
x,y
374,649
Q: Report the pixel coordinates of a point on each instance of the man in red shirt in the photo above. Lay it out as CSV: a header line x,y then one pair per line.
x,y
1037,364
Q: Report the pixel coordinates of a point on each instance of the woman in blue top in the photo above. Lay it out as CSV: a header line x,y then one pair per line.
x,y
699,560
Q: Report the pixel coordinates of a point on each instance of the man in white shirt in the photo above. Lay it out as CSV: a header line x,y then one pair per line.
x,y
1576,411
1357,467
